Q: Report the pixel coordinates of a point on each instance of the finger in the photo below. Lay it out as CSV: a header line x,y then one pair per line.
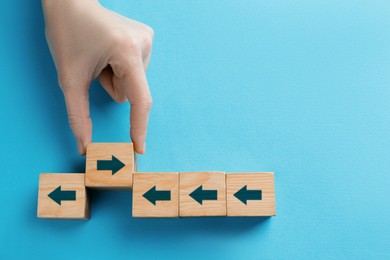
x,y
77,105
136,88
107,80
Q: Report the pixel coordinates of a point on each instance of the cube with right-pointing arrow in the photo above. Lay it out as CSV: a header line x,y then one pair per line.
x,y
110,165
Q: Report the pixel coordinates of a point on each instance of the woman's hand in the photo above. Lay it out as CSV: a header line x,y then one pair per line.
x,y
88,41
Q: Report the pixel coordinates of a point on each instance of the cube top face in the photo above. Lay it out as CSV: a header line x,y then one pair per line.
x,y
156,194
250,194
62,196
110,165
202,194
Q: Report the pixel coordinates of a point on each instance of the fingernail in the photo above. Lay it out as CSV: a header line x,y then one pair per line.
x,y
144,147
141,149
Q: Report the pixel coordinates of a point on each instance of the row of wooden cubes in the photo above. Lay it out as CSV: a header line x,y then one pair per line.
x,y
196,194
112,165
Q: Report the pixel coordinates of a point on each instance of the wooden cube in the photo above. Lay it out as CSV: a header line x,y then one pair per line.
x,y
110,165
250,194
156,194
62,196
202,194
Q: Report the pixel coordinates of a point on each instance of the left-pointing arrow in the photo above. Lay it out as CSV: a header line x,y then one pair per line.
x,y
59,195
112,165
153,195
244,194
200,195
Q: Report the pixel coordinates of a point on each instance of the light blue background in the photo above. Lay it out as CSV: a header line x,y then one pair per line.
x,y
301,88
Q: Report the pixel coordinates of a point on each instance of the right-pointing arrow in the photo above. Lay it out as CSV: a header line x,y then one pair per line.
x,y
112,165
244,194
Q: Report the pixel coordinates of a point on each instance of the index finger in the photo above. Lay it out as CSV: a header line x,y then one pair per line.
x,y
136,87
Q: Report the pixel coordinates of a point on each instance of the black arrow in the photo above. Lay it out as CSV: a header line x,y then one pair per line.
x,y
200,194
59,195
153,195
112,165
244,194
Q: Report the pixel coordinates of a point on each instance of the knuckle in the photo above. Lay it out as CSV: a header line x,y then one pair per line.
x,y
149,30
71,84
125,41
70,77
136,132
79,125
64,78
145,102
147,41
147,37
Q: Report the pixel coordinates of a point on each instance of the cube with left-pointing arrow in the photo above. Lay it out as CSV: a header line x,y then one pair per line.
x,y
156,194
202,194
250,194
110,165
62,196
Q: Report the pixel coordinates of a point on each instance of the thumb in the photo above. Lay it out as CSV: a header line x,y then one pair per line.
x,y
77,106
